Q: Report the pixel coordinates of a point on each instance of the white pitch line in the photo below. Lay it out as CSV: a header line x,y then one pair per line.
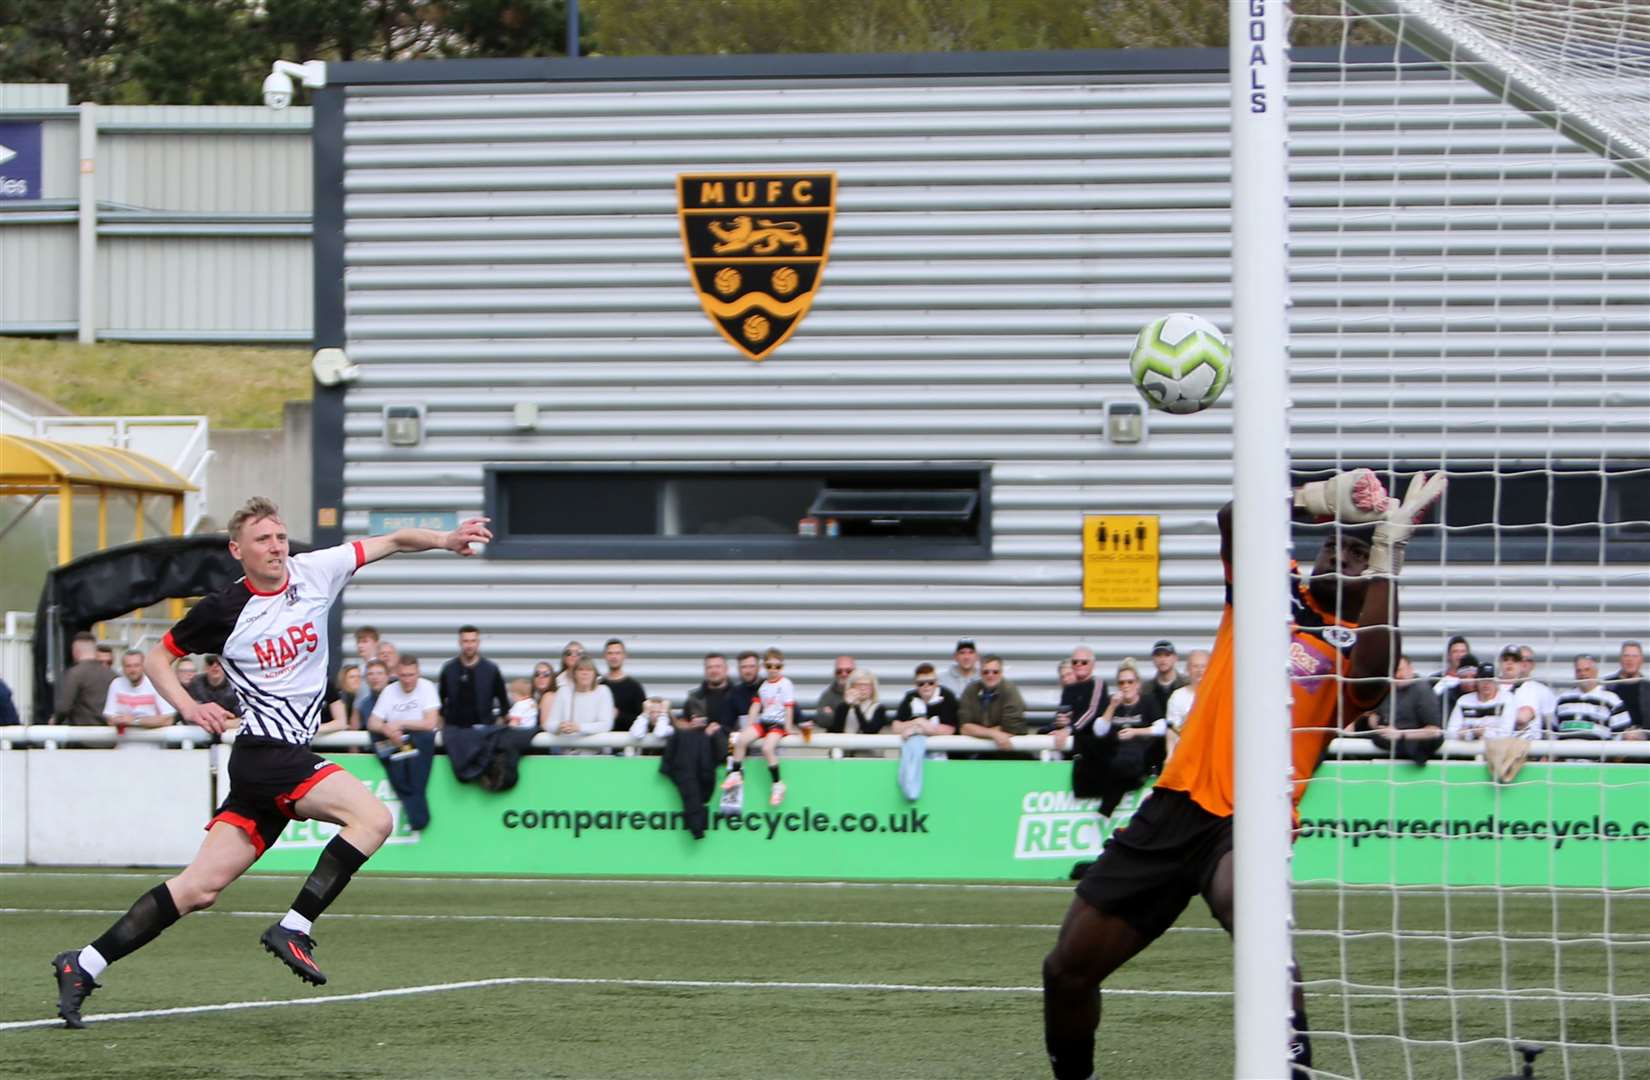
x,y
457,879
546,980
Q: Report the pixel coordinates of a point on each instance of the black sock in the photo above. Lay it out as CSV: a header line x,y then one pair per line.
x,y
736,766
773,770
1073,1059
338,862
153,912
1300,1047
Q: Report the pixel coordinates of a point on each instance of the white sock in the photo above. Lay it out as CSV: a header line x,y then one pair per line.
x,y
296,922
92,961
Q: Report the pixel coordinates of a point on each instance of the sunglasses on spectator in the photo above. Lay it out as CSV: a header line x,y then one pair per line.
x,y
928,682
844,671
991,671
1075,660
773,667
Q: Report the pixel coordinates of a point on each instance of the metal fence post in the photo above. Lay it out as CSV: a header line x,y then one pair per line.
x,y
86,311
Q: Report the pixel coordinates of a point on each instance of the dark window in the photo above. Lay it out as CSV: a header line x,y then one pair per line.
x,y
1526,514
853,511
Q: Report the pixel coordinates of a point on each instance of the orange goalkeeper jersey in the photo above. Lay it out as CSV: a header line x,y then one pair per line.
x,y
1319,648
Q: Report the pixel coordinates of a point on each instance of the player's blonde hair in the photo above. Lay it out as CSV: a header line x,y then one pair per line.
x,y
253,510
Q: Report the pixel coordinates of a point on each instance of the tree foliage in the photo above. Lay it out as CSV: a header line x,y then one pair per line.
x,y
218,51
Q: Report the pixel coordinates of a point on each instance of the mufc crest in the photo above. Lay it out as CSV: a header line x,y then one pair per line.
x,y
756,245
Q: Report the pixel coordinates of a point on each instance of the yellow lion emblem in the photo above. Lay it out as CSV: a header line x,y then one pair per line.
x,y
763,237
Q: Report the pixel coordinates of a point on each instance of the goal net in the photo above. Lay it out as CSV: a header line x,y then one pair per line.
x,y
1469,291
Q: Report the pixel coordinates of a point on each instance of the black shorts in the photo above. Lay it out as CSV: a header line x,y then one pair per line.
x,y
266,779
1152,867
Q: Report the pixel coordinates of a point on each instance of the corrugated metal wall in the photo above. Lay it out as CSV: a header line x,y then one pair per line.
x,y
203,224
1466,286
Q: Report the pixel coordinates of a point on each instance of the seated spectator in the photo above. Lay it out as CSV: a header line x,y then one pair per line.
x,y
654,719
747,690
1180,702
772,716
964,671
1166,663
341,699
860,712
1480,711
524,711
1407,723
373,682
585,706
470,686
629,694
405,716
1117,750
991,708
106,655
83,688
927,708
391,656
831,696
1588,710
571,654
1456,685
1629,684
1533,700
133,700
185,670
710,706
544,690
1080,702
1065,672
213,685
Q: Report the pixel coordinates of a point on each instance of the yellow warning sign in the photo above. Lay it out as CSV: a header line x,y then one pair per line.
x,y
1120,562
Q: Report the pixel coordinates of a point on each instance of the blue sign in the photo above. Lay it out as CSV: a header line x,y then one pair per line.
x,y
387,521
20,161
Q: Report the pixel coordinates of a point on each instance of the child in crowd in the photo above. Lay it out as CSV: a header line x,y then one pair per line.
x,y
524,711
773,716
654,717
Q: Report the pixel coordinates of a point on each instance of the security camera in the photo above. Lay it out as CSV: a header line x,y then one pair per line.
x,y
278,86
333,367
277,90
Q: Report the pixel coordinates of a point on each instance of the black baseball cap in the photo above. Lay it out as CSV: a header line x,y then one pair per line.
x,y
1486,671
1164,645
966,643
1511,650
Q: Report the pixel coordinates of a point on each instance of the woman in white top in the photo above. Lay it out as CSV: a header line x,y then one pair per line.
x,y
585,707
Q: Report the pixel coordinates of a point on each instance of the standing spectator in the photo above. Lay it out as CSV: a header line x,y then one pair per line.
x,y
860,712
405,716
628,693
584,706
1065,672
1168,678
965,669
1532,700
84,686
213,685
1118,749
1081,701
571,654
1629,684
773,715
991,708
544,690
709,707
1456,652
341,701
832,695
185,670
391,656
1407,723
470,686
1180,702
927,708
106,655
366,644
133,699
1589,711
1457,684
373,683
1481,712
524,711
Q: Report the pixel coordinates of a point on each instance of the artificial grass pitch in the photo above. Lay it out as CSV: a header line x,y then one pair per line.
x,y
675,979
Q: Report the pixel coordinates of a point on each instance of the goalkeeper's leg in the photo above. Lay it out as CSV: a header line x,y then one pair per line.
x,y
1219,897
1091,946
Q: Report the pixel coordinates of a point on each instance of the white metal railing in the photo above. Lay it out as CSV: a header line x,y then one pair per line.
x,y
52,736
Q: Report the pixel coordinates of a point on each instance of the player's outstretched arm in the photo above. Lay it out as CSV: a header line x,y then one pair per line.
x,y
458,541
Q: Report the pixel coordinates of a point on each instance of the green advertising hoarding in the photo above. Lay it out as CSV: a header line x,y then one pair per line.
x,y
1568,825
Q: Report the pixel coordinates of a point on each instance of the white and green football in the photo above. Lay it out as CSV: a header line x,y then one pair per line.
x,y
1181,363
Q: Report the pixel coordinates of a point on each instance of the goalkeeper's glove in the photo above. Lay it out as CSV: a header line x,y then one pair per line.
x,y
1386,548
1351,497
